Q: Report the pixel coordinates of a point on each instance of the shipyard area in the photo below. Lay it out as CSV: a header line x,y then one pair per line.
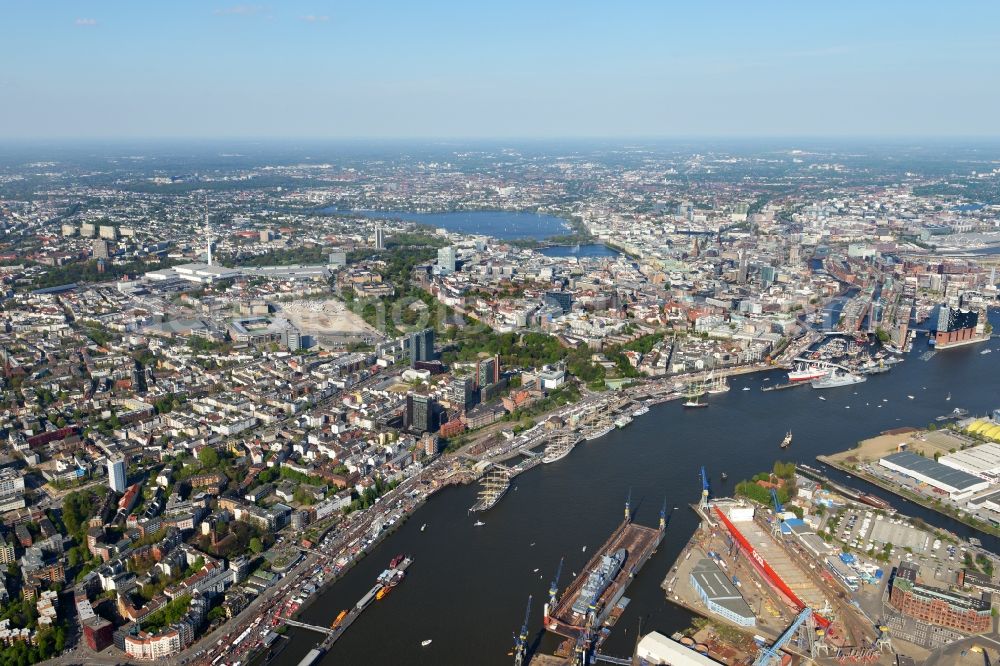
x,y
796,569
824,573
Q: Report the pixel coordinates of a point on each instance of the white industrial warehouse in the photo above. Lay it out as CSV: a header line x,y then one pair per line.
x,y
956,483
982,461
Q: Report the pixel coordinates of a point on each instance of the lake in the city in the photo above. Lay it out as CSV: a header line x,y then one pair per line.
x,y
505,225
468,585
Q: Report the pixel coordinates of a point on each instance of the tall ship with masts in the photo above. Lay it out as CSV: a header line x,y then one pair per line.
x,y
716,384
693,391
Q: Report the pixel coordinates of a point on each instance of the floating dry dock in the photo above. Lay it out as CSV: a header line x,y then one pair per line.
x,y
638,543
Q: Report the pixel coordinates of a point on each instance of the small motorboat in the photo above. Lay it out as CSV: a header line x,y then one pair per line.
x,y
423,527
478,523
426,643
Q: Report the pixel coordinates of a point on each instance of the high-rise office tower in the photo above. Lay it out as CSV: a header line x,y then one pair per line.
x,y
420,346
447,259
379,236
419,413
488,371
116,474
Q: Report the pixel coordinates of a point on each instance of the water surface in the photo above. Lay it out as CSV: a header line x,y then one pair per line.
x,y
468,585
505,225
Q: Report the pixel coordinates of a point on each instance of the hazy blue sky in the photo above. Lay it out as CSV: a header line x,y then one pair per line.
x,y
420,68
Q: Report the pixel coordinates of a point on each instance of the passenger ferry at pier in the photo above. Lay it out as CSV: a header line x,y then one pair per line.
x,y
807,372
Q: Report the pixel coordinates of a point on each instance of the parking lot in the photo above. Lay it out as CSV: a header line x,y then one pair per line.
x,y
869,531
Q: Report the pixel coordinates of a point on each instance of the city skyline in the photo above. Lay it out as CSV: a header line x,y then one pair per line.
x,y
222,70
337,332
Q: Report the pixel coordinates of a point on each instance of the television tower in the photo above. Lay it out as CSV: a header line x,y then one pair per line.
x,y
208,234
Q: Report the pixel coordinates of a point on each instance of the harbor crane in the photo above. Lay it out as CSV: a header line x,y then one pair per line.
x,y
704,487
521,640
663,515
554,587
772,655
628,501
778,506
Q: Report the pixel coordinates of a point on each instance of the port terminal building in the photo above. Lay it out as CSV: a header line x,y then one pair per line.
x,y
958,485
719,594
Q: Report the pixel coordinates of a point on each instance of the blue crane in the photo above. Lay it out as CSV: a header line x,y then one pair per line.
x,y
628,501
772,655
663,515
554,587
521,640
778,507
704,486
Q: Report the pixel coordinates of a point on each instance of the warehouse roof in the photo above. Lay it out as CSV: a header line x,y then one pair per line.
x,y
933,470
717,586
982,459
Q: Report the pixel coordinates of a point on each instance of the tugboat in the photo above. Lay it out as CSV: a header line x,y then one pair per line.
x,y
787,440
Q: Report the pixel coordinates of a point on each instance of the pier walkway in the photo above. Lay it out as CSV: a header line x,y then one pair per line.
x,y
310,627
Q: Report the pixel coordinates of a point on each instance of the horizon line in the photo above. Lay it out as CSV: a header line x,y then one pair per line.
x,y
531,138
